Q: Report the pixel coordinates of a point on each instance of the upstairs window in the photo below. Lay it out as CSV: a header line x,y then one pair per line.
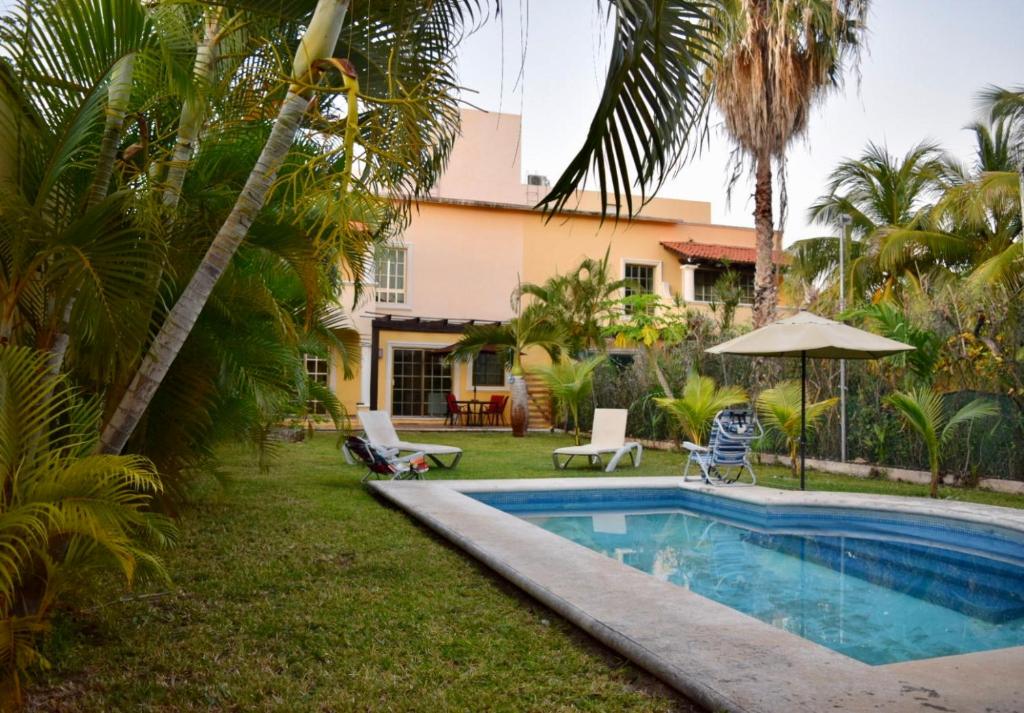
x,y
488,370
392,279
704,285
641,278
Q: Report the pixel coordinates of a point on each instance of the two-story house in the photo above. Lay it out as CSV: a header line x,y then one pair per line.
x,y
475,238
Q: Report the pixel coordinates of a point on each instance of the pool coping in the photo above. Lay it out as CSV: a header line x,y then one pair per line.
x,y
716,655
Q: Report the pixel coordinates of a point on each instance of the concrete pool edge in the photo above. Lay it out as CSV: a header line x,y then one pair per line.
x,y
717,656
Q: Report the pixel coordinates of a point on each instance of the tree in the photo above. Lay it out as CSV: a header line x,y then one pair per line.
x,y
531,327
652,325
780,409
571,383
64,511
582,301
777,60
924,411
701,400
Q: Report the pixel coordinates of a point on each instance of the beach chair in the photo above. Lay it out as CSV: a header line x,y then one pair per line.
x,y
728,447
380,432
607,437
385,463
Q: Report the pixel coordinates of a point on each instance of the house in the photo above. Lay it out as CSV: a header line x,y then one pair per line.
x,y
475,238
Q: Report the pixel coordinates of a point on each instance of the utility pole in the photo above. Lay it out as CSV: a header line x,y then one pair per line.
x,y
845,221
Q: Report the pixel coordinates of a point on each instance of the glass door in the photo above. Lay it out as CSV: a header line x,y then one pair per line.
x,y
420,381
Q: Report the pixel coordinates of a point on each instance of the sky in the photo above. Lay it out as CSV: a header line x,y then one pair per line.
x,y
925,62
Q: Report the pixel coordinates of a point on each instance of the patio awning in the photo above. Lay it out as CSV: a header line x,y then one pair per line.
x,y
486,349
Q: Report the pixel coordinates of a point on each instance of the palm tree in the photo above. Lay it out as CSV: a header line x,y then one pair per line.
x,y
650,44
777,60
924,411
780,409
531,328
652,325
583,302
64,511
701,400
571,383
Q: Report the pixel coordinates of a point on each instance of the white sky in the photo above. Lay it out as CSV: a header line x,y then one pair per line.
x,y
926,60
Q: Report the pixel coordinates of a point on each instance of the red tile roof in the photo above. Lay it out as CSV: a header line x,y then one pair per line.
x,y
716,253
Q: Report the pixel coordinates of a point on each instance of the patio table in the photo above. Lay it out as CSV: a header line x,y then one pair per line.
x,y
474,411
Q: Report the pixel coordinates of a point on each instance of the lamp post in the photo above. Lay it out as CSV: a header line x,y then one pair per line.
x,y
845,221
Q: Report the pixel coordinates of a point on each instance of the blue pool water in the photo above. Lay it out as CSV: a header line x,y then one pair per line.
x,y
878,587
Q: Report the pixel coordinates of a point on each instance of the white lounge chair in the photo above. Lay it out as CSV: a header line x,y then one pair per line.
x,y
381,433
608,436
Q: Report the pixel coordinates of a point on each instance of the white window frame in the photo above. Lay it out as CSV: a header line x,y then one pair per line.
x,y
473,384
328,373
379,290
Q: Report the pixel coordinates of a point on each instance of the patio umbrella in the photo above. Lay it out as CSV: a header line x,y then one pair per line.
x,y
808,335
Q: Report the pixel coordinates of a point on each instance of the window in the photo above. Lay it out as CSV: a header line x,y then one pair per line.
x,y
316,368
420,382
392,264
642,277
488,370
704,285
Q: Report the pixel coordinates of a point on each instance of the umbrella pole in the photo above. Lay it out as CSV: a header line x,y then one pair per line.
x,y
803,414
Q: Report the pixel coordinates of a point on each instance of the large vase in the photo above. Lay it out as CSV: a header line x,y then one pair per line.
x,y
519,410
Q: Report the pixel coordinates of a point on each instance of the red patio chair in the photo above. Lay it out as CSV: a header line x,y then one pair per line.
x,y
455,411
496,410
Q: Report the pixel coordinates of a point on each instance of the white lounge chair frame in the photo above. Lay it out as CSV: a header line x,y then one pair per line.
x,y
608,436
728,447
381,433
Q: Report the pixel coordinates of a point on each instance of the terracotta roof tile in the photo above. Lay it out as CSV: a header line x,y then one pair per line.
x,y
708,252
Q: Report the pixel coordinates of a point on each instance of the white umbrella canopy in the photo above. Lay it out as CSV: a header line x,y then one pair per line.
x,y
807,335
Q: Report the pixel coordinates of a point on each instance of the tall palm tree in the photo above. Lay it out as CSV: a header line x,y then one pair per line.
x,y
650,45
878,193
532,327
777,60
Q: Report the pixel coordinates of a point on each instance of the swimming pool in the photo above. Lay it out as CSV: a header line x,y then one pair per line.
x,y
879,587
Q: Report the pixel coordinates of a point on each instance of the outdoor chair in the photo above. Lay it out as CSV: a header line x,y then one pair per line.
x,y
728,447
380,432
608,436
455,411
384,462
495,412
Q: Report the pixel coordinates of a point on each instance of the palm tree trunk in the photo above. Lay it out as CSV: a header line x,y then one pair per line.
x,y
318,42
652,357
933,492
192,113
119,95
765,286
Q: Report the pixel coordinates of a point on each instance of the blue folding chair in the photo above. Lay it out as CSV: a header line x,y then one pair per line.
x,y
732,432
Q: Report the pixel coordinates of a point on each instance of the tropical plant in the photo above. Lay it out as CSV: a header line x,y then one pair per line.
x,y
571,383
532,327
701,400
924,411
727,293
582,302
777,60
64,511
779,408
652,325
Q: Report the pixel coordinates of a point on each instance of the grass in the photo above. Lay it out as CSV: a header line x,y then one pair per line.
x,y
297,590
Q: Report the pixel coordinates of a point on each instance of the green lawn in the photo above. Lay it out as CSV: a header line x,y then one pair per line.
x,y
297,590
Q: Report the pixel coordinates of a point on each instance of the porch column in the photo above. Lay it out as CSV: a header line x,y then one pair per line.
x,y
367,364
689,292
